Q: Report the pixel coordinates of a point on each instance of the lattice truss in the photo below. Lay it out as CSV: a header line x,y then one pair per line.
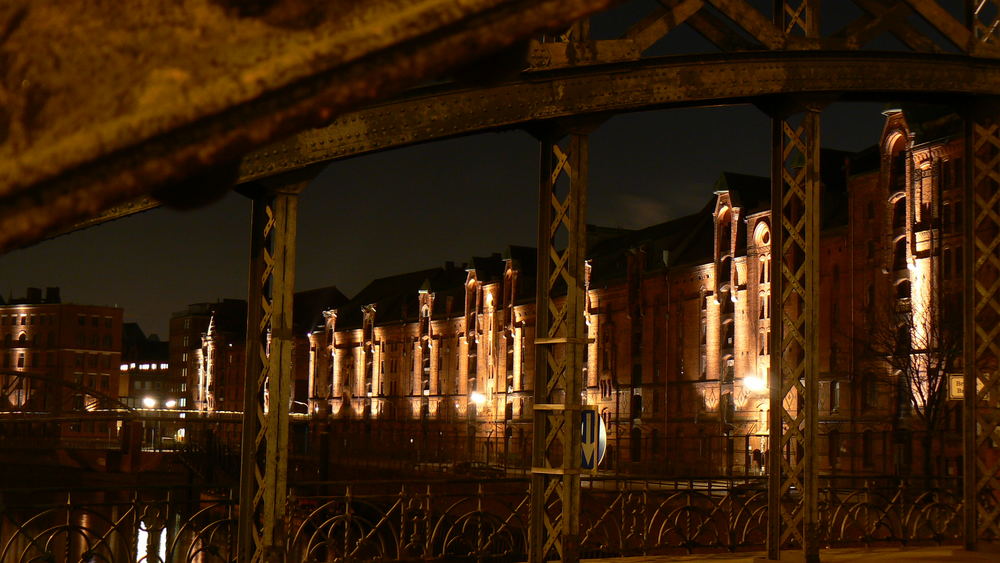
x,y
793,380
559,342
984,318
265,438
738,25
985,22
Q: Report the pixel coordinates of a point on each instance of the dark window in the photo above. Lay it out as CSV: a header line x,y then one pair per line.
x,y
834,446
635,444
868,448
899,255
869,398
636,407
903,290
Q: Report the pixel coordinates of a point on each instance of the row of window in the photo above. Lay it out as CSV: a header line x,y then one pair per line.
x,y
95,340
43,319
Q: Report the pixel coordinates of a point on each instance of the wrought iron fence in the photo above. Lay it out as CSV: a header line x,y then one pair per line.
x,y
455,520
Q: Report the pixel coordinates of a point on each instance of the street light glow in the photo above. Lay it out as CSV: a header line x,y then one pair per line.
x,y
148,402
477,398
754,384
171,403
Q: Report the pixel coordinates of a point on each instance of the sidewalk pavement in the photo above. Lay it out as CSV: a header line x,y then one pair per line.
x,y
839,555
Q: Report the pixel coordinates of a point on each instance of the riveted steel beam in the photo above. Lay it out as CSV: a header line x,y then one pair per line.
x,y
792,483
268,384
729,78
982,325
793,511
559,346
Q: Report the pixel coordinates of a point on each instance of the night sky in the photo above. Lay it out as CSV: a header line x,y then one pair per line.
x,y
417,207
412,208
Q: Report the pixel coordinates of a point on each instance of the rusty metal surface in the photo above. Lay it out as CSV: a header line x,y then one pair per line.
x,y
631,86
268,383
560,337
982,326
103,102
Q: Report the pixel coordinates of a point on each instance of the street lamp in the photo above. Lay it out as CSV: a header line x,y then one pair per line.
x,y
171,403
148,402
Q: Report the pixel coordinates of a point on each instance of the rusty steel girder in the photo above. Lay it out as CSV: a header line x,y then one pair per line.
x,y
449,110
102,103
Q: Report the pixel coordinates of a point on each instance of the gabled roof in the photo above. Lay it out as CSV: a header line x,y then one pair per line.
x,y
678,240
930,122
396,297
750,193
308,307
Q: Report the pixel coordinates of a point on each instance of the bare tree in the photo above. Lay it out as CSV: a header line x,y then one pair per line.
x,y
920,342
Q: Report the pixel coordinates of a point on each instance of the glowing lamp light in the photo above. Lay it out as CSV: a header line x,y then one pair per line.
x,y
148,402
754,384
477,398
171,403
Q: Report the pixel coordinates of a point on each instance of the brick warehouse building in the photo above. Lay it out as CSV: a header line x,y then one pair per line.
x,y
61,358
438,364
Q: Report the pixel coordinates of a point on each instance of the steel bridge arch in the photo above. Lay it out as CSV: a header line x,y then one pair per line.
x,y
677,81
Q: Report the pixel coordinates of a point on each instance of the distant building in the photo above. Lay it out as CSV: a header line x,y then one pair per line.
x,y
186,330
61,358
219,376
145,373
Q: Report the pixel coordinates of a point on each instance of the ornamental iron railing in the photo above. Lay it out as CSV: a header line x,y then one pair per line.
x,y
465,520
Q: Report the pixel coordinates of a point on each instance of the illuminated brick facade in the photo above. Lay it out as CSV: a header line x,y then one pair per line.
x,y
61,358
679,320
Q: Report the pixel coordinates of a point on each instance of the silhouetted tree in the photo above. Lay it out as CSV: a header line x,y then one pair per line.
x,y
921,346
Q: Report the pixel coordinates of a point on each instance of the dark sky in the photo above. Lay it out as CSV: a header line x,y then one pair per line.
x,y
416,207
412,208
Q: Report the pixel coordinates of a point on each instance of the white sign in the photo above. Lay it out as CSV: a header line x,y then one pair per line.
x,y
593,439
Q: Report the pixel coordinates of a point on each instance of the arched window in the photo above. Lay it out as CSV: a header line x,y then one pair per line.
x,y
725,232
22,340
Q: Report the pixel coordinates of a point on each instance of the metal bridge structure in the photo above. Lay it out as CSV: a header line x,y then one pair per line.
x,y
776,55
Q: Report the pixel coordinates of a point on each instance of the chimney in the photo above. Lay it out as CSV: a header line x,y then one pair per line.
x,y
34,295
52,295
